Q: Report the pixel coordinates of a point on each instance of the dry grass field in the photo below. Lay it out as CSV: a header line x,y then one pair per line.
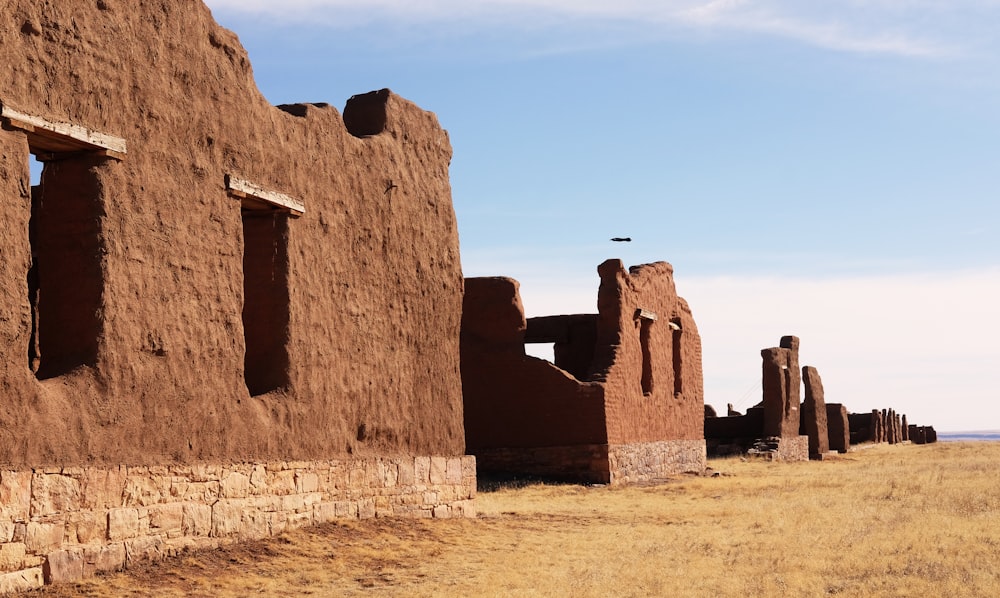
x,y
886,521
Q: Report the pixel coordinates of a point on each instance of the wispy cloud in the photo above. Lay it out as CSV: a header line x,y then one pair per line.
x,y
875,27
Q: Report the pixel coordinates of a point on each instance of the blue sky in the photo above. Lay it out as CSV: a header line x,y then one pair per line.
x,y
830,171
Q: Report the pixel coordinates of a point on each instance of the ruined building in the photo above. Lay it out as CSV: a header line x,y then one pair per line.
x,y
771,428
218,318
623,401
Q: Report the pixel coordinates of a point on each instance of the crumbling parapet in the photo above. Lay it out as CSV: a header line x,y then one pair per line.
x,y
813,415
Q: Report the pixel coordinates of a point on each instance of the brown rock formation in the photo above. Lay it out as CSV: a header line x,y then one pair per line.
x,y
813,415
176,314
625,388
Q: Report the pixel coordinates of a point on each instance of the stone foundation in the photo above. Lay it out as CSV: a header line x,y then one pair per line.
x,y
598,463
648,461
787,448
65,524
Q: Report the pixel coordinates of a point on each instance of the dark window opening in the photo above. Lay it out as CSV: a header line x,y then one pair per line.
x,y
265,300
65,279
675,327
645,329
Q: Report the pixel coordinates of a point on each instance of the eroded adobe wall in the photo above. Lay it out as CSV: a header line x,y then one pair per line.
x,y
813,419
374,282
513,400
653,377
839,427
781,382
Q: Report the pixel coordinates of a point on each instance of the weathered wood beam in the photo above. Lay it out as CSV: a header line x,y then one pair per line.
x,y
645,314
245,190
59,137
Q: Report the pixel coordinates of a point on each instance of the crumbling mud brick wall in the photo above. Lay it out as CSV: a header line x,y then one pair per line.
x,y
623,402
813,419
202,277
771,428
839,427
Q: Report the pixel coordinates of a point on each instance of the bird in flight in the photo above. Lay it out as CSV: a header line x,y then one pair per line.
x,y
621,239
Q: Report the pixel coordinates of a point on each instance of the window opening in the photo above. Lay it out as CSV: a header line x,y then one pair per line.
x,y
645,331
266,215
265,300
65,279
677,333
546,351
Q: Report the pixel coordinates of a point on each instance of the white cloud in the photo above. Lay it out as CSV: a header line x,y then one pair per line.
x,y
922,344
876,27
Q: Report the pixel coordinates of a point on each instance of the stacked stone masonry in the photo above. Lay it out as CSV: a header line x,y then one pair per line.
x,y
65,524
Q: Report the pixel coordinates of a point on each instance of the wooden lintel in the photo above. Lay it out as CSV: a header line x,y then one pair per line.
x,y
57,137
645,314
243,189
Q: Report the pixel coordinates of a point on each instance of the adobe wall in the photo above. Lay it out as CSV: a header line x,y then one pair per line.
x,y
671,405
634,412
813,418
781,381
64,524
838,426
513,400
368,361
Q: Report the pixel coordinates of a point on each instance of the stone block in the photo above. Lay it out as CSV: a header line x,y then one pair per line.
x,y
146,548
104,558
346,509
123,524
258,479
235,485
143,490
197,519
281,482
188,491
388,474
299,520
366,508
21,581
383,506
54,494
306,482
227,516
439,471
167,519
422,470
102,488
12,556
7,530
87,527
42,538
63,566
324,512
15,495
406,472
454,473
442,512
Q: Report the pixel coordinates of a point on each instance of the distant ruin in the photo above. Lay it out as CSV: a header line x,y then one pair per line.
x,y
767,428
624,400
220,319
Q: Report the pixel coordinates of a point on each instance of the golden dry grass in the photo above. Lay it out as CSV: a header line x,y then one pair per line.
x,y
887,521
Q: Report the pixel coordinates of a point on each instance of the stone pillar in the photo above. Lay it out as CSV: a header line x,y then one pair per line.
x,y
813,415
876,432
891,427
905,429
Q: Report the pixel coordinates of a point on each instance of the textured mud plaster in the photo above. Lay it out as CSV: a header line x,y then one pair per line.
x,y
346,319
813,415
623,401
